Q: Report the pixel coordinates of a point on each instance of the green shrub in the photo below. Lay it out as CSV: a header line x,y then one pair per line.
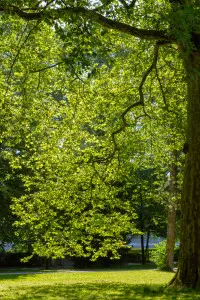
x,y
159,255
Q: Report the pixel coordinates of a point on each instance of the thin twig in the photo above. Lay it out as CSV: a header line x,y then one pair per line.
x,y
125,5
46,68
132,4
63,3
39,80
17,55
49,3
106,3
161,88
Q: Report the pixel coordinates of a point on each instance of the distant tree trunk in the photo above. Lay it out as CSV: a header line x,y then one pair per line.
x,y
30,247
188,273
171,227
171,224
142,228
147,247
143,252
47,262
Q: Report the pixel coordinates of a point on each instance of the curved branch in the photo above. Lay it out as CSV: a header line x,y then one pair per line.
x,y
141,95
123,117
58,13
162,90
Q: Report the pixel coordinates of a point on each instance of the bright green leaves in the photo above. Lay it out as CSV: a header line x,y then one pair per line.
x,y
66,84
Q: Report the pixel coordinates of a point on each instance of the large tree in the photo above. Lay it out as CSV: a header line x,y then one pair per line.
x,y
166,26
56,127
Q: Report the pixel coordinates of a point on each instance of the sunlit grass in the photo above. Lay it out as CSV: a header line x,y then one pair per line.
x,y
123,285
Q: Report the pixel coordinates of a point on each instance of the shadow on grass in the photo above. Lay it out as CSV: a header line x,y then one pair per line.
x,y
130,267
92,291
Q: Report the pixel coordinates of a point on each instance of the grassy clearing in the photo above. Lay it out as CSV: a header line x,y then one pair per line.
x,y
118,285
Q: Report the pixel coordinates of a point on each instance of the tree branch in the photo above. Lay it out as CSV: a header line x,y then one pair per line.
x,y
105,3
141,95
47,67
148,71
18,53
132,4
123,117
93,16
127,6
162,90
48,3
138,103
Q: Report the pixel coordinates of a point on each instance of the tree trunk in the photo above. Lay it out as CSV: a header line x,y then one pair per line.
x,y
171,224
147,246
171,227
142,246
188,273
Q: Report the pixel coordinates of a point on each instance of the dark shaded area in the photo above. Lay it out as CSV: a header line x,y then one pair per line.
x,y
8,259
104,291
127,256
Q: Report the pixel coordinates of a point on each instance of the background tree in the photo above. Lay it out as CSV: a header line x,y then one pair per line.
x,y
70,200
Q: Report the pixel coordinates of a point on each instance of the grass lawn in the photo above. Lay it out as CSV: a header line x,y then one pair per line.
x,y
123,285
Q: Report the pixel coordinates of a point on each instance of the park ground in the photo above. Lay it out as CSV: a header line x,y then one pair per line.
x,y
124,284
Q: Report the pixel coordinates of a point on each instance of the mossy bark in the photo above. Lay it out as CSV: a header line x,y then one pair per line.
x,y
188,273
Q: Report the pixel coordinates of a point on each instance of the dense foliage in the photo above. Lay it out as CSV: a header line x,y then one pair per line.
x,y
93,95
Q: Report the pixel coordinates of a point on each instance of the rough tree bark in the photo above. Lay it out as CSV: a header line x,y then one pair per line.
x,y
188,273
